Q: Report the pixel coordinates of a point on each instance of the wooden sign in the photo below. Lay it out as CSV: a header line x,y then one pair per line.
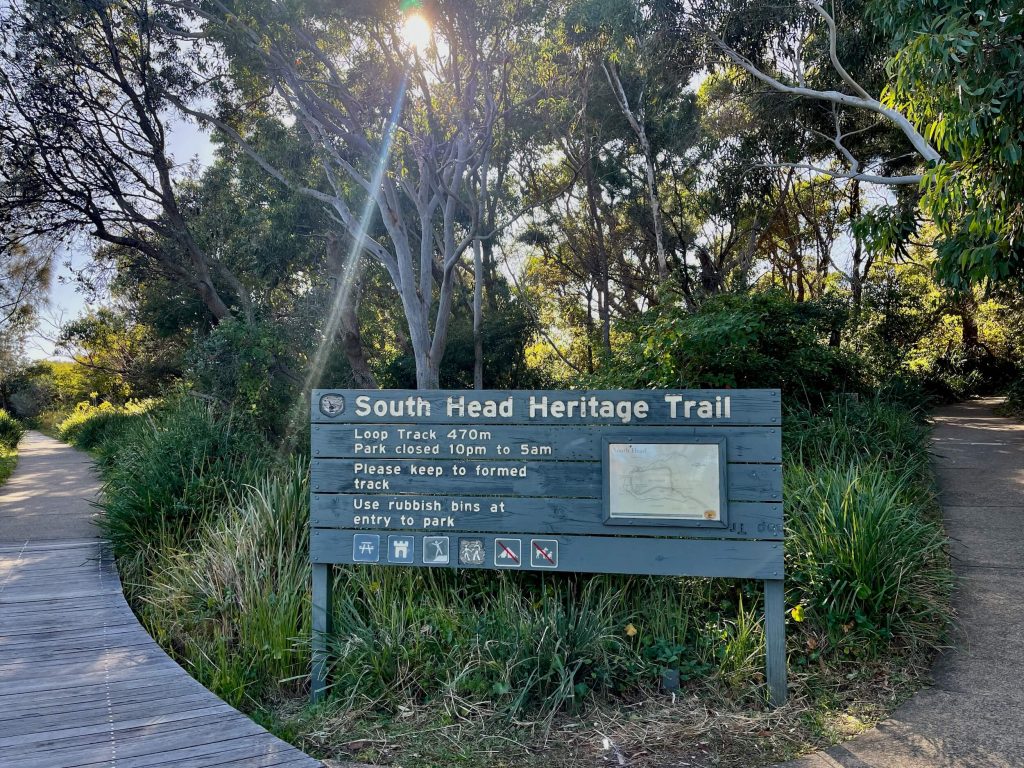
x,y
665,482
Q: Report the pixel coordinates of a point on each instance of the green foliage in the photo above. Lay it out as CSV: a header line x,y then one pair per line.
x,y
508,330
11,431
956,73
760,340
866,556
865,552
850,432
90,426
236,606
239,364
171,469
1014,405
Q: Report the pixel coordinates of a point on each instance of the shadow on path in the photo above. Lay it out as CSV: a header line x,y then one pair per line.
x,y
81,682
973,716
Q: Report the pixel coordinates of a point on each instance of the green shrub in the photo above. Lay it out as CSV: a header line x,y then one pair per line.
x,y
172,469
239,600
759,340
852,431
11,431
1014,404
865,554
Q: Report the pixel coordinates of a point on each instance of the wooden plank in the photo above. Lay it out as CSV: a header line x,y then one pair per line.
x,y
482,514
775,640
175,739
568,443
747,407
81,682
72,728
592,554
580,480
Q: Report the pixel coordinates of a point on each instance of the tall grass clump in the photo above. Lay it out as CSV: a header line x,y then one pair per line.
x,y
11,431
171,469
866,556
848,432
235,606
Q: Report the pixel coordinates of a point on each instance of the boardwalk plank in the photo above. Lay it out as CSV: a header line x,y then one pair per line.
x,y
82,685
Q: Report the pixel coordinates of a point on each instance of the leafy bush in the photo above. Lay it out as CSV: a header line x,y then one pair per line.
x,y
11,431
171,469
1014,405
90,426
760,340
849,432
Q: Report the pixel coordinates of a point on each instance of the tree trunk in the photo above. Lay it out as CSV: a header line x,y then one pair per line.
x,y
650,172
348,333
968,317
602,251
478,320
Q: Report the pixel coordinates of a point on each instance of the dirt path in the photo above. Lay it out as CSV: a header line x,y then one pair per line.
x,y
973,715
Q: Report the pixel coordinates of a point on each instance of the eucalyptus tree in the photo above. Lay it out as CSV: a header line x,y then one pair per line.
x,y
405,127
25,274
84,109
956,71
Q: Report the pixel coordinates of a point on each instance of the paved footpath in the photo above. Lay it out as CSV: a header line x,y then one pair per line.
x,y
973,715
81,682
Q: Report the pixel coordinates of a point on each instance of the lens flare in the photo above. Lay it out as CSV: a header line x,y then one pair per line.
x,y
343,292
416,32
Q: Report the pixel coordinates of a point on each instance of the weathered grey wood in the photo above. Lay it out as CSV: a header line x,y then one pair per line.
x,y
602,554
82,684
775,639
494,469
581,480
569,443
757,407
748,520
323,587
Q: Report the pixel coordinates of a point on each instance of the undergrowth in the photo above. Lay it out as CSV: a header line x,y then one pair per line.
x,y
11,432
211,529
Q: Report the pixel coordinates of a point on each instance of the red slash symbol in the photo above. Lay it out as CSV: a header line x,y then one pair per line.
x,y
543,552
509,552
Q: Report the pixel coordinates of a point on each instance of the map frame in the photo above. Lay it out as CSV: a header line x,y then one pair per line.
x,y
665,520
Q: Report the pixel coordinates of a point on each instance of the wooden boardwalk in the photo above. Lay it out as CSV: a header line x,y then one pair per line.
x,y
83,684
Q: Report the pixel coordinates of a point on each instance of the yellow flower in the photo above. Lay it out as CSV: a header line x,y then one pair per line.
x,y
630,630
797,613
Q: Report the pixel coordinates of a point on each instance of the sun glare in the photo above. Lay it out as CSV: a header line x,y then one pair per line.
x,y
416,32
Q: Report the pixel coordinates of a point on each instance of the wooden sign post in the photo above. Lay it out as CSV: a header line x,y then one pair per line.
x,y
663,482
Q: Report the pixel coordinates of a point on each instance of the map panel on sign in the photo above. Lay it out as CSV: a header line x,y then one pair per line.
x,y
670,481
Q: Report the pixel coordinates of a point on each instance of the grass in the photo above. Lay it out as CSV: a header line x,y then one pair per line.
x,y
11,432
8,461
433,667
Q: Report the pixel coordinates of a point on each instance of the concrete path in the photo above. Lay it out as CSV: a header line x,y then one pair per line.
x,y
48,496
973,716
81,682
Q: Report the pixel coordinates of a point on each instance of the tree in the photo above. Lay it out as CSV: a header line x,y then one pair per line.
x,y
84,102
956,73
25,274
422,162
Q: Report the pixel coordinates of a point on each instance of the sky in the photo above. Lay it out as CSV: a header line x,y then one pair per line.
x,y
186,141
